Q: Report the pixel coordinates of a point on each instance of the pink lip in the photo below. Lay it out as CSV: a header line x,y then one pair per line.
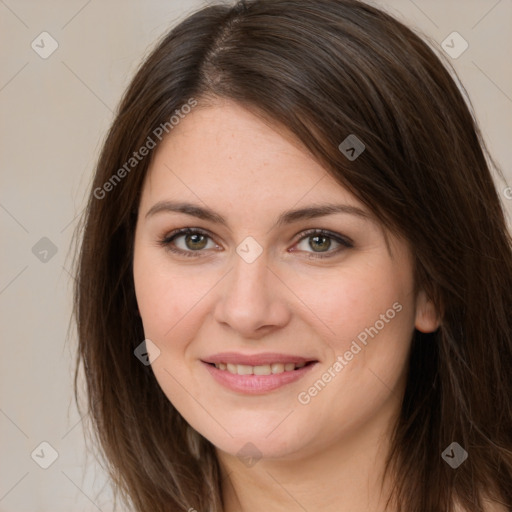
x,y
256,359
256,384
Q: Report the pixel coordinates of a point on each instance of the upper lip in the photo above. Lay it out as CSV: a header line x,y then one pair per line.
x,y
256,359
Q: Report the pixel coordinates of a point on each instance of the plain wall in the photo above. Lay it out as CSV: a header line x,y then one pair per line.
x,y
54,115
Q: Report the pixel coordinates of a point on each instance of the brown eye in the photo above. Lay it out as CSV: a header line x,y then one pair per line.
x,y
196,241
188,242
319,243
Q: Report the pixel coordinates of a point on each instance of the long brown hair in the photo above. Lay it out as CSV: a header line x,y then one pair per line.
x,y
322,69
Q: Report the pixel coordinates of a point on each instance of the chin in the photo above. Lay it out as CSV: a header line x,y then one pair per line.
x,y
268,440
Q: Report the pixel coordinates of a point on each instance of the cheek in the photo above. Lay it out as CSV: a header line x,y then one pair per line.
x,y
351,301
367,315
169,299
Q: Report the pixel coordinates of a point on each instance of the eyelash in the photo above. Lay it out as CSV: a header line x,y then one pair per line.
x,y
345,242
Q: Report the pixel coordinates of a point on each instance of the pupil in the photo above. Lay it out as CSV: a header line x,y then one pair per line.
x,y
320,242
195,241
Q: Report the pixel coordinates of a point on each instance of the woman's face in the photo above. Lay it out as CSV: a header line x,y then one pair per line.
x,y
284,276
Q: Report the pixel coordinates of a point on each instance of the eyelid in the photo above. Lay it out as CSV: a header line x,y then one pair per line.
x,y
166,241
185,231
344,241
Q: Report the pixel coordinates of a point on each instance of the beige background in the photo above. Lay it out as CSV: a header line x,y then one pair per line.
x,y
54,115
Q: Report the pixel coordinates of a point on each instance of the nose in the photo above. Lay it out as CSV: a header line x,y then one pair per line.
x,y
252,300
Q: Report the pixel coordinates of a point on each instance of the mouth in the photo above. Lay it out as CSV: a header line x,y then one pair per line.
x,y
263,369
257,374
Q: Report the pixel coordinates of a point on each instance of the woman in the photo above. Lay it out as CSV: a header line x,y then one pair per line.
x,y
295,280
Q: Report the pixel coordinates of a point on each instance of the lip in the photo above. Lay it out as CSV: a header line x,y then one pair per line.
x,y
258,384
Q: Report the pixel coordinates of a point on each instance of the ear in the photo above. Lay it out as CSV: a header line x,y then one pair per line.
x,y
427,318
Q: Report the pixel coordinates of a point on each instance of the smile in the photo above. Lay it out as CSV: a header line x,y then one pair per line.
x,y
268,372
265,369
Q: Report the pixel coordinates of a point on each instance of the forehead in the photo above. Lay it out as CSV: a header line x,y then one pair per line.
x,y
225,148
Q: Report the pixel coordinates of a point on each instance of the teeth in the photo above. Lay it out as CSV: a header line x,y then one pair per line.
x,y
244,369
264,369
277,367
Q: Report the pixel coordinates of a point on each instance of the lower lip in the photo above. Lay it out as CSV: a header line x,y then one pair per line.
x,y
256,384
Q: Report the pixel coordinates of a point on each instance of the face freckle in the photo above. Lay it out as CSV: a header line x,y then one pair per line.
x,y
256,286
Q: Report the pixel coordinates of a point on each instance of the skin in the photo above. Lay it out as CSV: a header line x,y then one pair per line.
x,y
327,454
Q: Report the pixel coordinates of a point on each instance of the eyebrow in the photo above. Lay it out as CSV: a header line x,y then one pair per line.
x,y
287,217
